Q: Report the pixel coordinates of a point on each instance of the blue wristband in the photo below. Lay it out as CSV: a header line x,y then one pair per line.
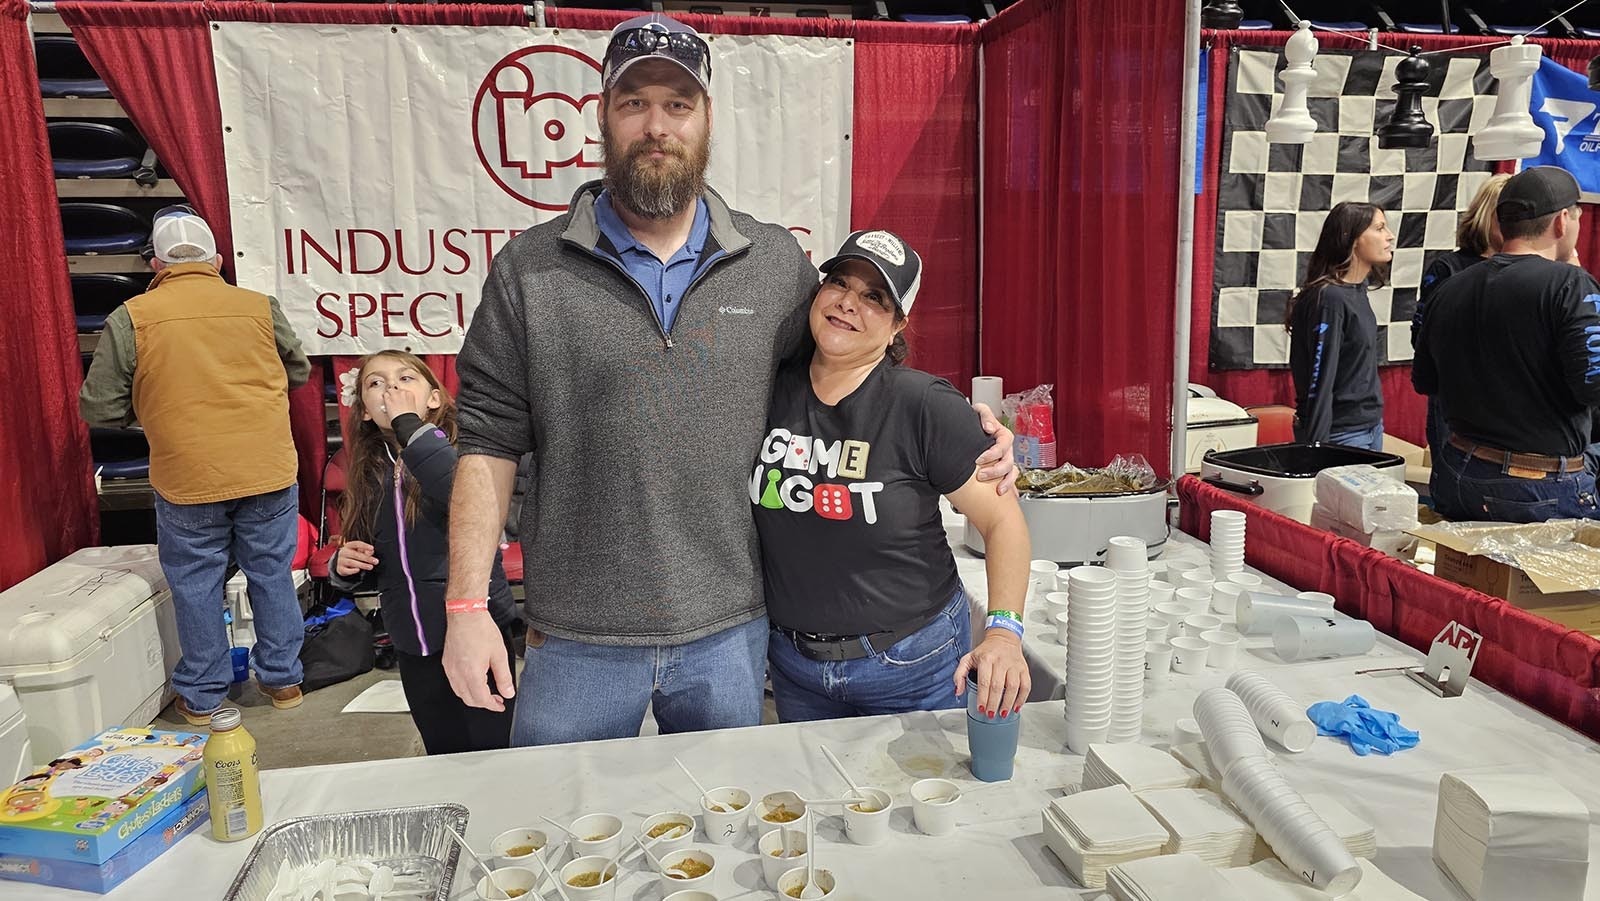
x,y
1003,622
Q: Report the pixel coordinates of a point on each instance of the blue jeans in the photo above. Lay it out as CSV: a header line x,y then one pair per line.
x,y
914,673
573,691
1371,439
1465,488
194,541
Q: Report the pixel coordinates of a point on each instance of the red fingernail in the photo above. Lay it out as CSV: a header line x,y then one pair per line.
x,y
981,711
1017,709
991,714
1004,714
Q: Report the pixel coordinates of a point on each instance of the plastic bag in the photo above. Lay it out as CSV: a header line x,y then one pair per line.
x,y
1123,475
1551,549
1032,414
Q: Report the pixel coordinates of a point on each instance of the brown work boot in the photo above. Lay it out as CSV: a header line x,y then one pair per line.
x,y
282,698
201,720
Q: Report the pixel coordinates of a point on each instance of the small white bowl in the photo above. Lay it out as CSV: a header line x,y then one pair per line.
x,y
759,811
588,864
664,845
725,826
671,884
772,866
511,839
597,835
511,878
796,878
871,827
690,895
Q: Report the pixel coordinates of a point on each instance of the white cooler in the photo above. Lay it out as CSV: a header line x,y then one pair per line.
x,y
1283,477
1215,425
89,643
16,760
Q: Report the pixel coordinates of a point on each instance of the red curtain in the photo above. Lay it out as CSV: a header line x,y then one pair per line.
x,y
47,498
1082,135
145,50
1405,412
915,149
1545,665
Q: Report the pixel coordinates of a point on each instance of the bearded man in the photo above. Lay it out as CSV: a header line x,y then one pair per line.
x,y
630,345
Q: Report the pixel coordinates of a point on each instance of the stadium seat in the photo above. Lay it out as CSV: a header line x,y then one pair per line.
x,y
120,453
95,295
102,228
63,69
94,150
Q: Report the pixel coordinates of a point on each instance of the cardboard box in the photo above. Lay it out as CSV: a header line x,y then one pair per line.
x,y
84,876
98,798
1554,578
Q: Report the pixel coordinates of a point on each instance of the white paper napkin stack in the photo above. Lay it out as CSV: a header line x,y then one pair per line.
x,y
1138,767
1170,877
1357,834
1510,835
1195,756
1270,880
1092,831
1199,822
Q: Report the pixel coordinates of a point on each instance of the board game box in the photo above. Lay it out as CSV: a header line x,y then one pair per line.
x,y
85,876
96,799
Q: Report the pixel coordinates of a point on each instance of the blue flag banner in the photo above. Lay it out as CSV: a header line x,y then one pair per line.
x,y
1568,111
1200,123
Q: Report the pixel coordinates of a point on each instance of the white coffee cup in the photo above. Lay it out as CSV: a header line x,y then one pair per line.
x,y
1225,598
507,878
1061,627
774,867
671,884
590,863
1223,650
872,826
1189,655
724,827
607,826
1313,638
796,878
663,843
1157,661
1195,624
503,844
933,805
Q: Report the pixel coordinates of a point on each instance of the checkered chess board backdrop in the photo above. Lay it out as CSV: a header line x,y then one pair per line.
x,y
1273,198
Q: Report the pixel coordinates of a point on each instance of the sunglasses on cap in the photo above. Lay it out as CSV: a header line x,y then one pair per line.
x,y
148,251
684,48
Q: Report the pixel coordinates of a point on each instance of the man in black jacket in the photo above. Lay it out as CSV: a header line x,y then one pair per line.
x,y
1512,346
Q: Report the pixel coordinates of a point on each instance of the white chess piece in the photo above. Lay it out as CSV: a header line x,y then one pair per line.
x,y
1511,133
1292,123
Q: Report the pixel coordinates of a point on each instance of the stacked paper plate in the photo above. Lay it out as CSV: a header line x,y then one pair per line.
x,y
1133,614
1356,833
1227,543
1195,756
1135,766
1092,831
1170,877
1508,835
1270,880
1091,655
1199,822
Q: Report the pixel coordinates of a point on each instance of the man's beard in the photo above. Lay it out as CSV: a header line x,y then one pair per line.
x,y
651,188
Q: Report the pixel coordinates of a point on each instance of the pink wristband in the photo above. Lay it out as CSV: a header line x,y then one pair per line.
x,y
466,605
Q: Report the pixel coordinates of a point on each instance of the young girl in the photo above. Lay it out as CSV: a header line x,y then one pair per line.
x,y
1333,333
396,510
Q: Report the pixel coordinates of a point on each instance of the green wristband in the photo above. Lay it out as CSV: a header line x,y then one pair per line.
x,y
1007,614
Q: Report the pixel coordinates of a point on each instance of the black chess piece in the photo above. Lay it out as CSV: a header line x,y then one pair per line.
x,y
1407,126
1223,15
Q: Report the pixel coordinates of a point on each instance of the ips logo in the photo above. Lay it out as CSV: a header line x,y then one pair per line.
x,y
536,124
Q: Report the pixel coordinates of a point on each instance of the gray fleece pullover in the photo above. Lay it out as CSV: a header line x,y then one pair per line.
x,y
636,529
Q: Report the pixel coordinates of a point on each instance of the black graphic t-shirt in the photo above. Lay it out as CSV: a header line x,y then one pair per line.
x,y
846,499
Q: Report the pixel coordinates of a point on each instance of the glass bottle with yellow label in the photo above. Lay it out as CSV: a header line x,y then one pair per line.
x,y
233,782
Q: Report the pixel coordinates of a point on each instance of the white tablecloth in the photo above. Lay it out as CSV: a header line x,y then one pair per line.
x,y
997,853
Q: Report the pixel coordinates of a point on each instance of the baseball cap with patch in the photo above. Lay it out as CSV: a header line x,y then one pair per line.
x,y
181,236
1536,191
655,36
893,258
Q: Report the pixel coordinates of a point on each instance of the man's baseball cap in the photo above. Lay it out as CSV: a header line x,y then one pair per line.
x,y
181,236
655,36
1534,192
893,258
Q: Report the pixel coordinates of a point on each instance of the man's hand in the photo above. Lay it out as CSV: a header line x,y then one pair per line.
x,y
996,464
354,558
473,651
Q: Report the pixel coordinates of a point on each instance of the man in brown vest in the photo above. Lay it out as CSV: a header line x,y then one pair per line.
x,y
205,368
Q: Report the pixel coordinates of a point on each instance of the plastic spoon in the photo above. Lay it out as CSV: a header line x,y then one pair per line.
x,y
566,829
842,771
697,785
539,859
811,892
488,873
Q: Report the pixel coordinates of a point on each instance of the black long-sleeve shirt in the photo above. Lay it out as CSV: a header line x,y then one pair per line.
x,y
1513,348
1333,357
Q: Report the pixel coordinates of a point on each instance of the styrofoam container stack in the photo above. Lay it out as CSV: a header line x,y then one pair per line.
x,y
1199,822
1270,880
1227,543
1357,834
1127,558
1279,717
1501,834
1137,767
1091,655
1092,831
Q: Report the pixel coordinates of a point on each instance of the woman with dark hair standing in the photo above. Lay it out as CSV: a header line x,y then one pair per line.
x,y
1333,334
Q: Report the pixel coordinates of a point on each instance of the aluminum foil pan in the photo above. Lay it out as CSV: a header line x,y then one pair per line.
x,y
412,840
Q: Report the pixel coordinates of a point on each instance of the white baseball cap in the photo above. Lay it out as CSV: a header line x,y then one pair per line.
x,y
181,236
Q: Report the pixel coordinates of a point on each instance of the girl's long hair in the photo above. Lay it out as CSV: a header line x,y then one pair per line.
x,y
369,449
1333,256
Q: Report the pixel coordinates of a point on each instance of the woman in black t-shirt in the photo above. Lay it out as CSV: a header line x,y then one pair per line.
x,y
868,613
1333,333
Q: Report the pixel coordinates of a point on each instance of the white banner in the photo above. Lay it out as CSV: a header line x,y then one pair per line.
x,y
373,172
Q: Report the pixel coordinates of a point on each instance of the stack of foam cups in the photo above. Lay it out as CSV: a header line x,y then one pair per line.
x,y
1296,832
1279,717
1227,543
1091,655
1128,559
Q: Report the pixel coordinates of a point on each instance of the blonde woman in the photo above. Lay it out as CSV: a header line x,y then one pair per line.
x,y
1477,239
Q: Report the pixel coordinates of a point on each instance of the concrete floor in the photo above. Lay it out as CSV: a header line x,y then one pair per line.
x,y
316,732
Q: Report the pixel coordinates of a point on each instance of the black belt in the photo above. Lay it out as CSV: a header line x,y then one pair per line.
x,y
832,648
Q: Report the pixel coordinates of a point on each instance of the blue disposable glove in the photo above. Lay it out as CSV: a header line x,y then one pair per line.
x,y
1367,728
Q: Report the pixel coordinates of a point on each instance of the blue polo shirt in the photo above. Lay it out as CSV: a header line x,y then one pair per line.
x,y
666,282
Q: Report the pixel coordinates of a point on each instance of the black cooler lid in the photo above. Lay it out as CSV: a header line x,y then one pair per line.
x,y
1302,461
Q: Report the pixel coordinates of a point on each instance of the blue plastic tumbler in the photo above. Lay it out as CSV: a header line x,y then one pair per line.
x,y
993,741
241,664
